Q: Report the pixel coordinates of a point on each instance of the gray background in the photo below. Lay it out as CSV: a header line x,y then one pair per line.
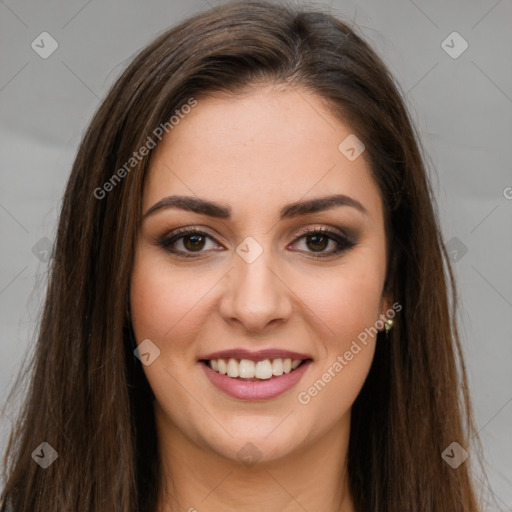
x,y
462,106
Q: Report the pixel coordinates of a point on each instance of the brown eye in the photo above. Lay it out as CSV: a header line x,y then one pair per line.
x,y
317,242
193,242
185,241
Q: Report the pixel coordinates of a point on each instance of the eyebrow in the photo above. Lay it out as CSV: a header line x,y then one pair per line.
x,y
290,211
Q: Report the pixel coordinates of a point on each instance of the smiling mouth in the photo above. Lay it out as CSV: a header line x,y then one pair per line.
x,y
251,371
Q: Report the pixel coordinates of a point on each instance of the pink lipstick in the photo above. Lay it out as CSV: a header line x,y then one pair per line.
x,y
247,375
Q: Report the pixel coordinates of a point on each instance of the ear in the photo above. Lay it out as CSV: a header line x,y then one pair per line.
x,y
386,304
386,299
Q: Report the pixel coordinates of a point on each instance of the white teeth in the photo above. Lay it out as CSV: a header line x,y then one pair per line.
x,y
295,363
263,369
247,369
232,368
277,367
222,366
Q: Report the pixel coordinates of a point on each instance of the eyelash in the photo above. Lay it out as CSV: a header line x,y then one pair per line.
x,y
166,242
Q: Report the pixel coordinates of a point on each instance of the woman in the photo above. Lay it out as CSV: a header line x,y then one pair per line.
x,y
316,368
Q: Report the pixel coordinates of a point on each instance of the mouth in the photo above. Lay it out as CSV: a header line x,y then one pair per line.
x,y
254,371
255,376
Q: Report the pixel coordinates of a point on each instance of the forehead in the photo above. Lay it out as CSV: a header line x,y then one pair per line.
x,y
259,150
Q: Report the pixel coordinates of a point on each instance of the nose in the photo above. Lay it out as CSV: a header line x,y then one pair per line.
x,y
255,294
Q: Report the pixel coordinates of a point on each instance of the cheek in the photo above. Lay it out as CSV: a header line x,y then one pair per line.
x,y
358,304
166,308
346,356
345,301
161,300
347,306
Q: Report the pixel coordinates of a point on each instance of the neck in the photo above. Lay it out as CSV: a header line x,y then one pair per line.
x,y
197,479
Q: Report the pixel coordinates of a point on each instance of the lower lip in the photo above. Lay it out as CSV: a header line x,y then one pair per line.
x,y
255,390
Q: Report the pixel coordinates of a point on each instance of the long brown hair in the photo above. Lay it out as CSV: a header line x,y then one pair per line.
x,y
88,396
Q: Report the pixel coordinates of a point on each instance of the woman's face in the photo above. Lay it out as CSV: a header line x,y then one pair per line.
x,y
252,278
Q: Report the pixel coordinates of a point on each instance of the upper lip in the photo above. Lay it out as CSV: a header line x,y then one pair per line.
x,y
256,355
